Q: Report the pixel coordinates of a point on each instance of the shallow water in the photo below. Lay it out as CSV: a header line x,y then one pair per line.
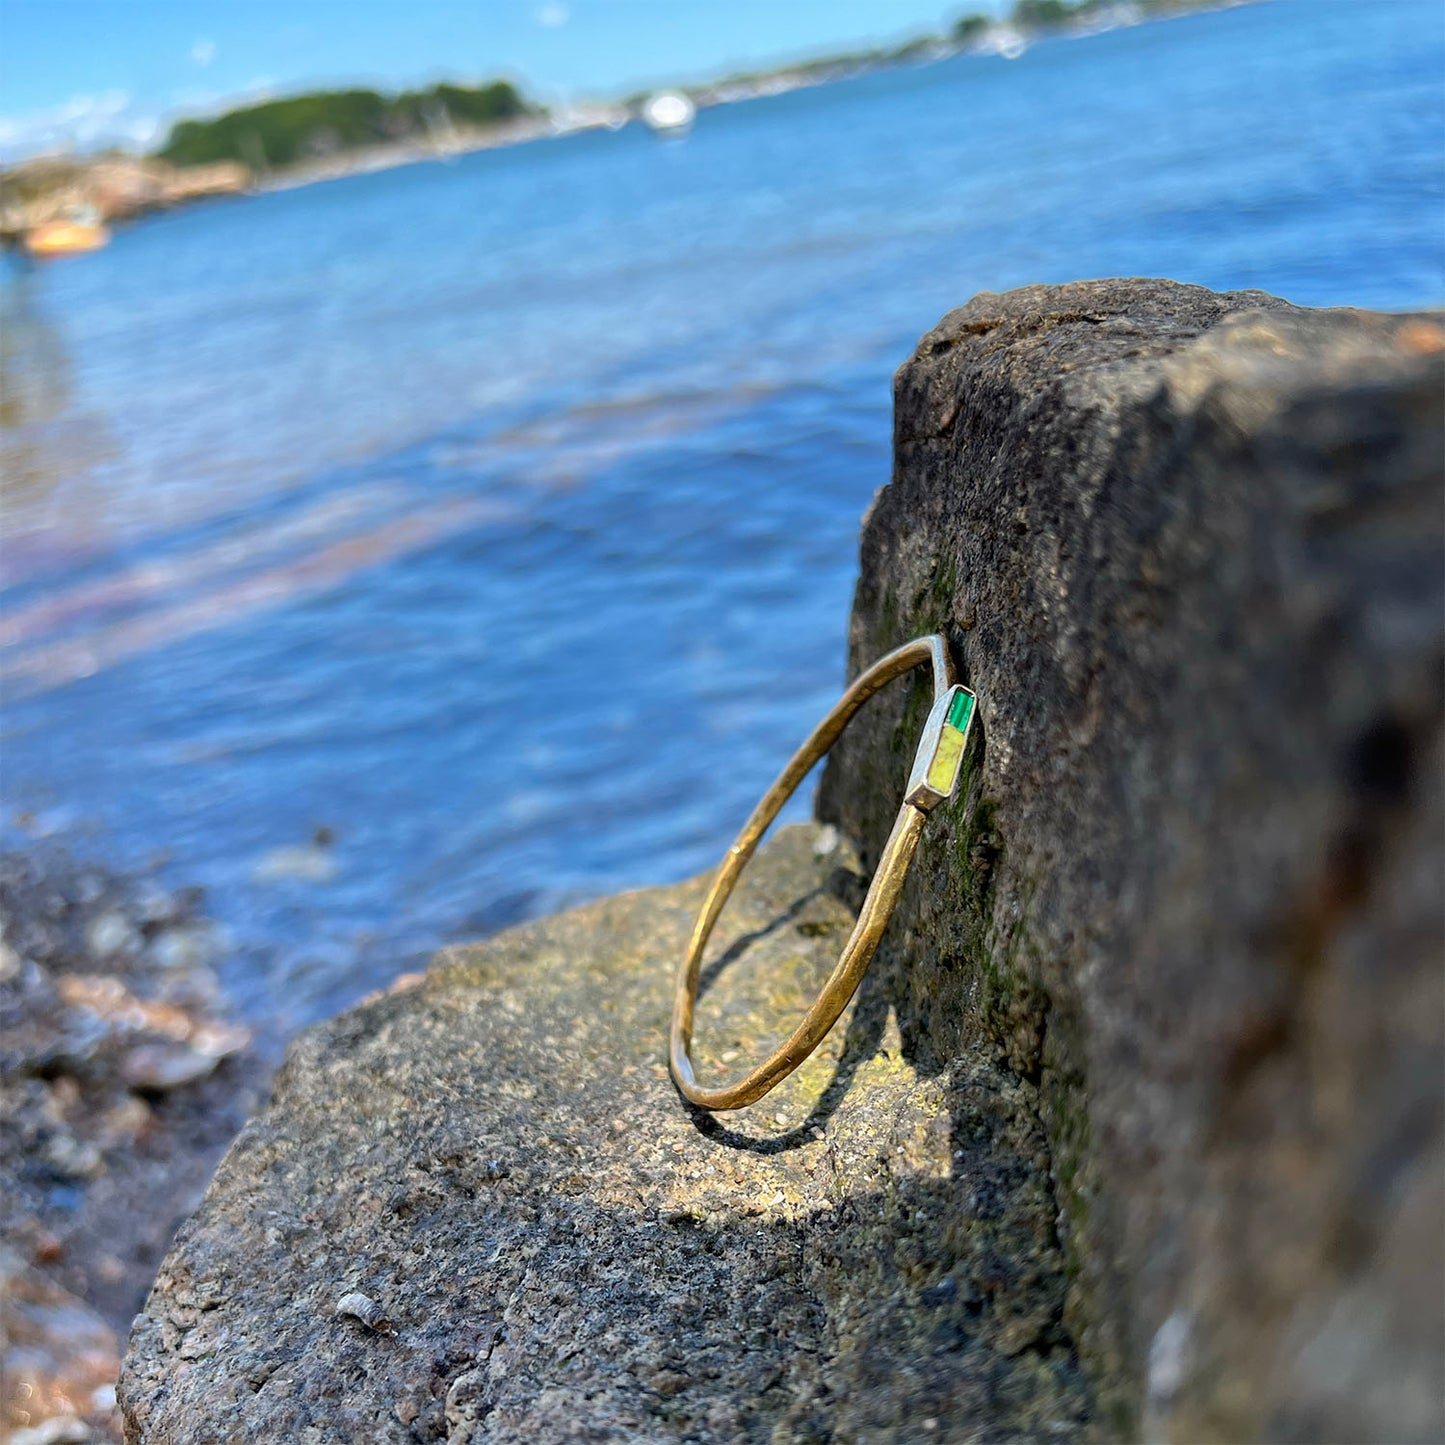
x,y
499,517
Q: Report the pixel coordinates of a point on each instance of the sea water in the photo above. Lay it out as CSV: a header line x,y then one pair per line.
x,y
406,555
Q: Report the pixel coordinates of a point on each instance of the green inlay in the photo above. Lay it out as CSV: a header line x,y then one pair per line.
x,y
960,710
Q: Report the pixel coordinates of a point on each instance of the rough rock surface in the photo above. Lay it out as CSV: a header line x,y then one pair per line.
x,y
1189,550
549,1246
1147,1074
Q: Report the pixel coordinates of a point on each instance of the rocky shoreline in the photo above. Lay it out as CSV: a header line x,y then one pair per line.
x,y
123,1079
1134,1128
118,186
112,187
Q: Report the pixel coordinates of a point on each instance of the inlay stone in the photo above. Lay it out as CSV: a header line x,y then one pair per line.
x,y
952,737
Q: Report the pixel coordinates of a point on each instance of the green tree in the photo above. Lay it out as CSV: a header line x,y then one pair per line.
x,y
1041,14
302,127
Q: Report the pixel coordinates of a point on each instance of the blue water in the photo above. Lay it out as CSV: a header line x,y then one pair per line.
x,y
500,516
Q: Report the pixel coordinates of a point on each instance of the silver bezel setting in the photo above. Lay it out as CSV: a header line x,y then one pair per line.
x,y
921,793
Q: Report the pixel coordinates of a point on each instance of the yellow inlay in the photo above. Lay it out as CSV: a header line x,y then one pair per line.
x,y
943,770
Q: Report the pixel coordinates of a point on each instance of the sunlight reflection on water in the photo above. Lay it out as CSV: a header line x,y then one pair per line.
x,y
500,517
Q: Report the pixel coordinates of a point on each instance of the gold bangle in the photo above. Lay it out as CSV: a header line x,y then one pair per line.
x,y
934,779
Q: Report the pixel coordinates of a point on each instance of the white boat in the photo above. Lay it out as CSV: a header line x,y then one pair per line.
x,y
669,112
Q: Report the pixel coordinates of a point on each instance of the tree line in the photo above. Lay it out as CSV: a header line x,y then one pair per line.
x,y
308,127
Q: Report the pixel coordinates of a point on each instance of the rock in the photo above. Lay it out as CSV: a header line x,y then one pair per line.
x,y
495,1160
58,1430
110,934
118,187
59,1360
93,1178
1188,549
357,1306
154,1068
1146,1076
11,964
198,183
189,949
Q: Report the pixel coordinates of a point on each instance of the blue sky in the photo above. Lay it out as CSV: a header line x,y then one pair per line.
x,y
84,72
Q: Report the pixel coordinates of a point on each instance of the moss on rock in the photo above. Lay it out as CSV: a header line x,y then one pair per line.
x,y
1187,550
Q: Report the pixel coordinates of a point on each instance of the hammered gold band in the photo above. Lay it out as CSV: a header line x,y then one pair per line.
x,y
934,780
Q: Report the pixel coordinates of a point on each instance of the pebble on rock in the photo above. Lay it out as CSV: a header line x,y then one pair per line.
x,y
358,1306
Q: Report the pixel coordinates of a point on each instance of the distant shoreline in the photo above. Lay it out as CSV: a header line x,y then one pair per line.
x,y
705,96
120,187
1000,40
392,155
